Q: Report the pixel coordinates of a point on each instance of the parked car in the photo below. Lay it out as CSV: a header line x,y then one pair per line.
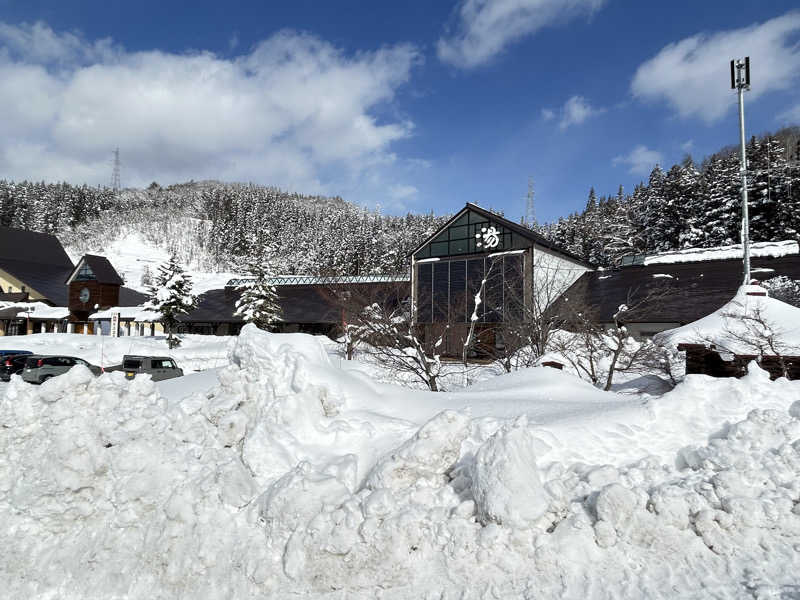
x,y
40,368
4,353
159,367
12,364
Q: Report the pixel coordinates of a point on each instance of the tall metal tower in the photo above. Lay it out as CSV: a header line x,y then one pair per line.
x,y
530,211
115,183
740,81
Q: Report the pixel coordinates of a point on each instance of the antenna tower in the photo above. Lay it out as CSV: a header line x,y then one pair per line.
x,y
530,211
115,184
740,81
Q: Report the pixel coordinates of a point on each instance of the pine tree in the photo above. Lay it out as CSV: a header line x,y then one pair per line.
x,y
171,295
259,302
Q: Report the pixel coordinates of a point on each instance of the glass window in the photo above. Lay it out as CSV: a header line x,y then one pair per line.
x,y
493,295
440,249
424,293
459,238
458,291
441,285
131,363
513,287
84,273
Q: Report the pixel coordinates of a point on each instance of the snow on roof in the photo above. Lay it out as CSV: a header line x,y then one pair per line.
x,y
758,249
36,310
127,313
742,325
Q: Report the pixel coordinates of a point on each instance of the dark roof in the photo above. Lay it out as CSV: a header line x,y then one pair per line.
x,y
515,227
103,271
38,260
693,291
48,280
129,297
302,304
32,247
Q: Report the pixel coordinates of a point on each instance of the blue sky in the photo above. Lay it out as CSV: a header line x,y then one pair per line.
x,y
414,106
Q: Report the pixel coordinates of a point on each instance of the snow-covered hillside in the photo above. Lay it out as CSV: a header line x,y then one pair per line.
x,y
133,255
282,475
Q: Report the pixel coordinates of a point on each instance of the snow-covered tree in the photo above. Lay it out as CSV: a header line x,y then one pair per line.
x,y
259,302
171,296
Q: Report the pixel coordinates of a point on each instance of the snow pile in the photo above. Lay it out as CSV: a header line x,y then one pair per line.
x,y
36,310
751,323
290,476
757,250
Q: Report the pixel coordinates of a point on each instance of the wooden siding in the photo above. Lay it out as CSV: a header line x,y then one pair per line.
x,y
704,360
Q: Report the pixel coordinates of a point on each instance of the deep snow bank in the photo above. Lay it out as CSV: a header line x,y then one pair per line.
x,y
281,480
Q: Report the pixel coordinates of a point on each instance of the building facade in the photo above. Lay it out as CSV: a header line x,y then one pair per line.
x,y
482,267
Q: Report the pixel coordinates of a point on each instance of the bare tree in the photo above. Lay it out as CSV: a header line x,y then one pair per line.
x,y
377,318
598,349
529,323
749,331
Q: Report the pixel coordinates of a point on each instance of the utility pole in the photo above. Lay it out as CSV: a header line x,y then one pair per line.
x,y
740,81
115,183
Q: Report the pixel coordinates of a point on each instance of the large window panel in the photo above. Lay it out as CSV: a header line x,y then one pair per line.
x,y
425,293
441,284
493,295
474,279
458,291
513,287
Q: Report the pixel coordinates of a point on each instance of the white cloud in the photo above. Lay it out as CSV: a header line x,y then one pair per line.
x,y
548,114
640,160
687,146
791,116
402,192
485,28
693,75
576,110
295,111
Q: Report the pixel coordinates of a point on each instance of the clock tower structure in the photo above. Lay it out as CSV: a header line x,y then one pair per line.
x,y
93,285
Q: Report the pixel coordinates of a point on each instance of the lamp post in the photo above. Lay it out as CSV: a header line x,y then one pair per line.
x,y
740,81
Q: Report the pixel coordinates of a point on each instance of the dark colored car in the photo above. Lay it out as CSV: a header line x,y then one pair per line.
x,y
12,364
39,369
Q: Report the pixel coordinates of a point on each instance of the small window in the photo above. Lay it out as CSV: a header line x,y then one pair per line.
x,y
85,273
132,364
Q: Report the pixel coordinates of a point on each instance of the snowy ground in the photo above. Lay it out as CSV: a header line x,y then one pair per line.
x,y
283,473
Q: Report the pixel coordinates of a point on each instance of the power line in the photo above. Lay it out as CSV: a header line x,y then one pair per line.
x,y
115,173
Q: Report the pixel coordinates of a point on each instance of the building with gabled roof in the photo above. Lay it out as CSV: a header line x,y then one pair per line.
x,y
35,264
523,271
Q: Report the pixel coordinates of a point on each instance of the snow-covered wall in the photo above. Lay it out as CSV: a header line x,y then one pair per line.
x,y
553,273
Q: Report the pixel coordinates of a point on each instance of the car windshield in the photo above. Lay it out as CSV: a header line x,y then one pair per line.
x,y
131,363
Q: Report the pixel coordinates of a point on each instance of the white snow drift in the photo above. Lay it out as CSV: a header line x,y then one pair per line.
x,y
286,475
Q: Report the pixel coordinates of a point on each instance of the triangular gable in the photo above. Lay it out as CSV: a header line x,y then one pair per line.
x,y
471,232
